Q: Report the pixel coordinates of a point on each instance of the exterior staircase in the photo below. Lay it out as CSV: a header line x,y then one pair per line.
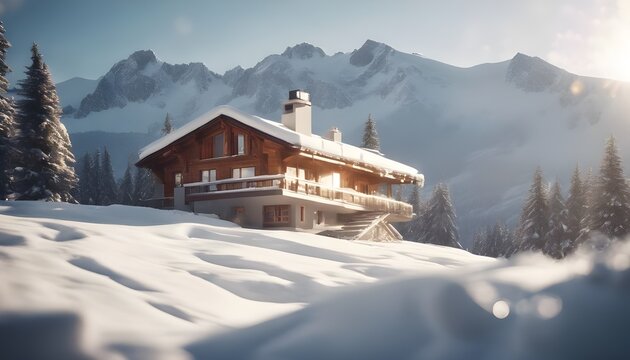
x,y
365,226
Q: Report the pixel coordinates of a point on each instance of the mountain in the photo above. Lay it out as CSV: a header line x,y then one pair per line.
x,y
481,129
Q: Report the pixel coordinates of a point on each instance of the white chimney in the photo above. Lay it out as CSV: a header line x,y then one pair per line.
x,y
334,134
297,112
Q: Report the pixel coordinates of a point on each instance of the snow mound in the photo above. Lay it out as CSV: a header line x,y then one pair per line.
x,y
144,283
486,314
123,282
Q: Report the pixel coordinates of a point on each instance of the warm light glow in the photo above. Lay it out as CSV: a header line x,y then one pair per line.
x,y
548,307
501,309
577,87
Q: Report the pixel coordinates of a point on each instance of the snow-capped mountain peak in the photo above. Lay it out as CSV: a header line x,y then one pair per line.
x,y
455,124
303,51
368,52
532,73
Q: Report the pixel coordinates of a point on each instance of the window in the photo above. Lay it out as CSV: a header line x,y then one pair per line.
x,y
276,215
209,175
248,172
240,144
178,179
217,145
336,180
243,172
302,211
320,217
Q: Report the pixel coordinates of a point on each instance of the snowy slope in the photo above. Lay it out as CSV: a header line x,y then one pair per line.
x,y
455,125
72,91
160,279
122,282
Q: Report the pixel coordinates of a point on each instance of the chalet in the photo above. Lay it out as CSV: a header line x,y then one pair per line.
x,y
265,174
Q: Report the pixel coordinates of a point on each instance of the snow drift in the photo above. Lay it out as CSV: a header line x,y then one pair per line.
x,y
110,282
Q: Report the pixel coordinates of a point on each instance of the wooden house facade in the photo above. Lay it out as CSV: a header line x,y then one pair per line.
x,y
264,174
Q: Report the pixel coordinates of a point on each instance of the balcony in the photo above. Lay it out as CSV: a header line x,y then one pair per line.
x,y
291,185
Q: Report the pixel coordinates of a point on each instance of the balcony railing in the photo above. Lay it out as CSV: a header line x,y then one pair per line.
x,y
299,186
158,203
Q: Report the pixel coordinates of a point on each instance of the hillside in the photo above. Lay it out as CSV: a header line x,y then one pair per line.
x,y
457,125
110,282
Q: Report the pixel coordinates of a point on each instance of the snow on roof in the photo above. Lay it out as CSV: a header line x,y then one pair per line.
x,y
314,143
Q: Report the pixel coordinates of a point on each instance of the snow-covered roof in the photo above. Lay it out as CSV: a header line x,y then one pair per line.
x,y
312,143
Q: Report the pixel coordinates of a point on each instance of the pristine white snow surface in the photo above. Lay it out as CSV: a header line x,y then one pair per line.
x,y
124,282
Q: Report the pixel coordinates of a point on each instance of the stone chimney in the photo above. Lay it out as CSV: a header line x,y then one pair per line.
x,y
297,112
334,134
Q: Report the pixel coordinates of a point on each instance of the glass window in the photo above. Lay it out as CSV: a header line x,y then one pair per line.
x,y
336,180
291,171
178,179
208,175
240,144
276,215
244,172
217,145
248,172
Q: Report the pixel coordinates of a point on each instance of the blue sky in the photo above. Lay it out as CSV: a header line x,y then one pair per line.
x,y
86,37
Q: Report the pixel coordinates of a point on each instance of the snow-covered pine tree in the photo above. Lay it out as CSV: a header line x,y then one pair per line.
x,y
370,136
534,223
46,169
413,230
109,190
96,178
143,186
577,208
610,213
167,128
557,239
439,220
492,241
85,180
480,241
125,191
8,149
499,240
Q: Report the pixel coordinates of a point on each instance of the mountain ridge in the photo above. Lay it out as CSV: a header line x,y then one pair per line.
x,y
457,125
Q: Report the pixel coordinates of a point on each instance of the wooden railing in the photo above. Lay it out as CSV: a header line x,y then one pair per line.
x,y
158,203
300,186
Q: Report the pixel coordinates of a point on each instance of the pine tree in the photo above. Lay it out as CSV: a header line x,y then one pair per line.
x,y
492,241
143,186
85,180
534,223
109,190
557,238
413,230
167,128
439,224
480,241
8,149
577,208
47,171
96,178
125,191
610,213
370,136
